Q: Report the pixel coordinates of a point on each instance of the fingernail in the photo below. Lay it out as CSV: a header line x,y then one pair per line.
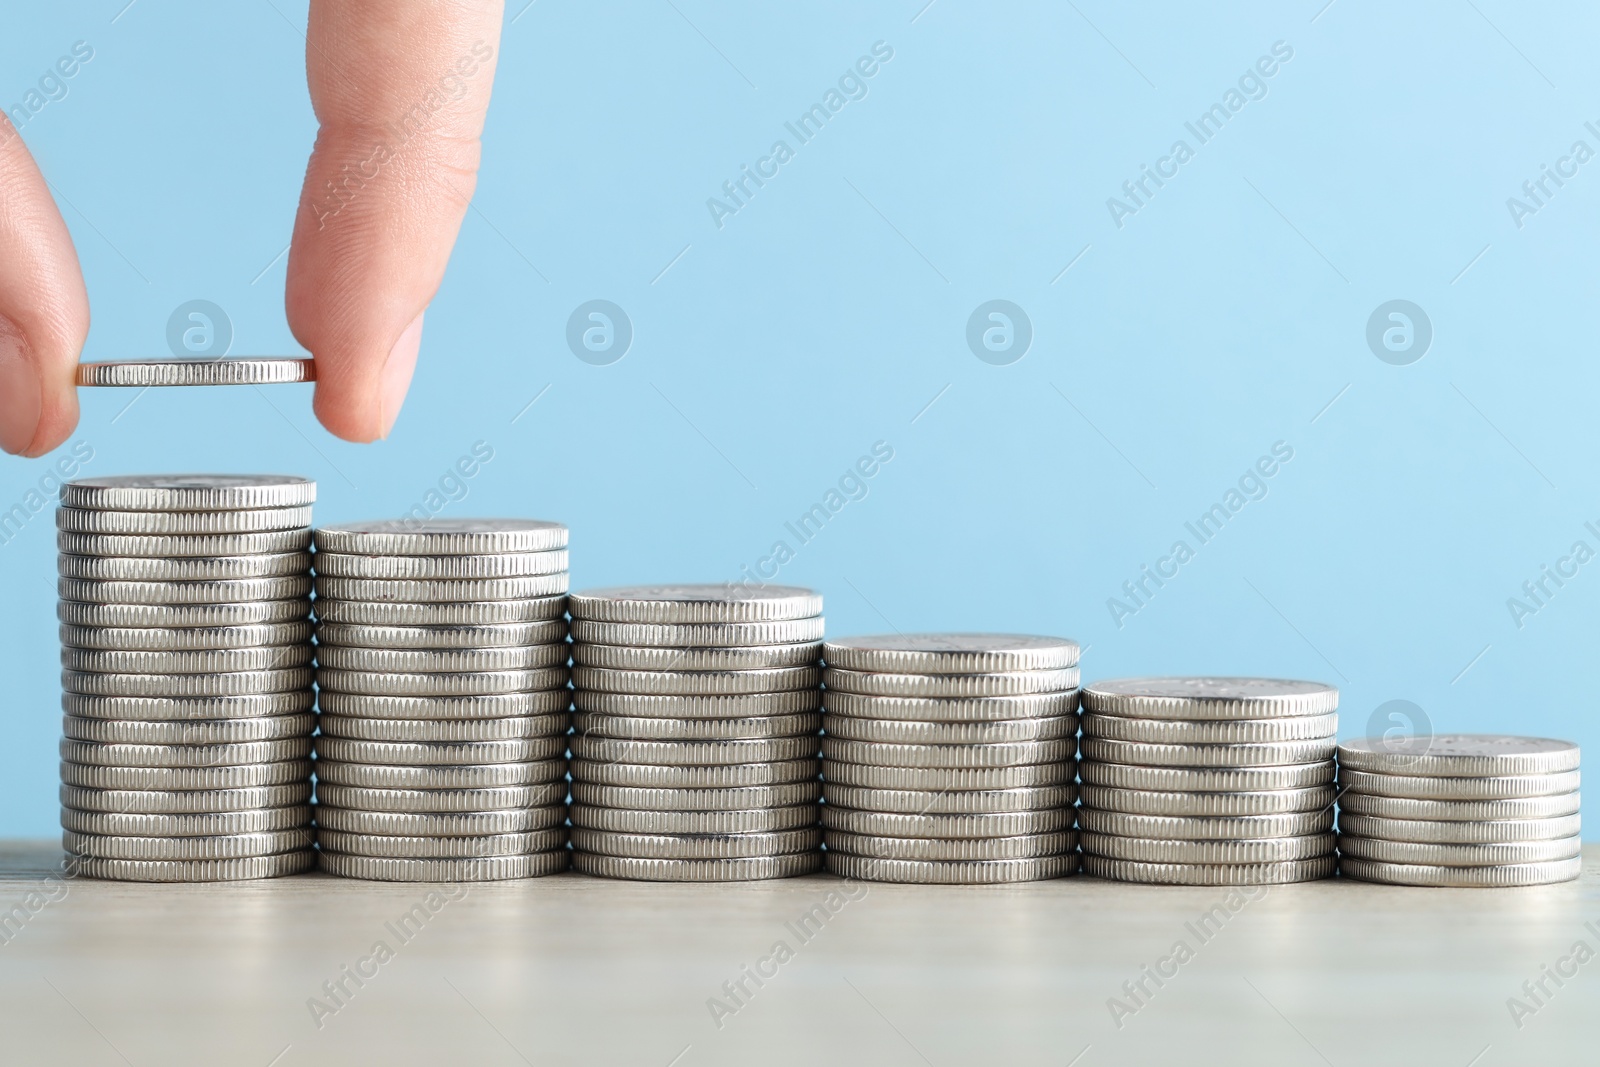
x,y
21,393
397,371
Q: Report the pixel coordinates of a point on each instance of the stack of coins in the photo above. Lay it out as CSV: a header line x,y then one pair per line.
x,y
186,655
694,752
1459,810
949,757
442,663
1208,781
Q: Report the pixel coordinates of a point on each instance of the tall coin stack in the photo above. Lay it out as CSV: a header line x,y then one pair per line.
x,y
694,752
442,663
1208,781
186,664
1459,810
949,757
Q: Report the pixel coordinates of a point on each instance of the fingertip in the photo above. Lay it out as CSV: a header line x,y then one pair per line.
x,y
397,372
359,396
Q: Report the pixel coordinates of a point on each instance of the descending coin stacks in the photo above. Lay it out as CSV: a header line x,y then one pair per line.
x,y
442,663
949,757
694,752
1208,781
1459,810
186,665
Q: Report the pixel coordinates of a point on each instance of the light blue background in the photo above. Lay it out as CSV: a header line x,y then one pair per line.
x,y
828,313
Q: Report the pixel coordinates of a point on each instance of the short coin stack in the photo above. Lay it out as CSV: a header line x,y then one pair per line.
x,y
949,757
1208,781
186,655
442,664
694,753
1459,810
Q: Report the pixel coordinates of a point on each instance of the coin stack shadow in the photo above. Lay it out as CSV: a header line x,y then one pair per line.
x,y
1208,781
1459,810
694,753
442,663
949,757
186,665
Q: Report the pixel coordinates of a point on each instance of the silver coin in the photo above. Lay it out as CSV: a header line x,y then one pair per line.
x,y
441,801
1166,802
283,772
188,732
751,657
225,847
209,824
696,846
193,661
1021,846
236,683
696,683
184,802
1422,787
997,824
474,613
461,683
235,754
951,872
1209,698
462,846
441,708
183,616
503,635
511,728
956,757
639,728
284,863
749,821
698,707
951,653
676,604
1184,732
188,492
656,776
486,776
911,732
480,869
1207,780
1461,877
170,709
1210,873
441,591
1015,683
1460,755
170,546
966,709
1434,854
947,802
747,869
1206,828
237,591
188,569
184,523
1254,754
1245,850
589,747
460,824
441,537
929,778
699,634
440,754
441,660
502,565
237,370
738,798
1459,832
169,639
